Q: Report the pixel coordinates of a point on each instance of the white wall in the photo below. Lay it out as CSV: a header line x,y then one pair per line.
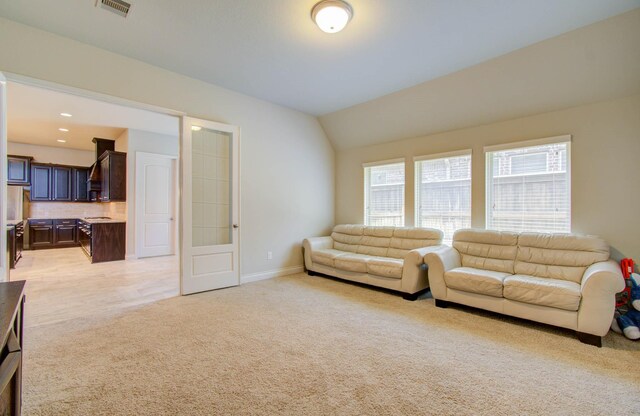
x,y
605,167
287,163
131,142
51,154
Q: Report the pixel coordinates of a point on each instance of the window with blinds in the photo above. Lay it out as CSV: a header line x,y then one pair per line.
x,y
384,194
443,192
529,188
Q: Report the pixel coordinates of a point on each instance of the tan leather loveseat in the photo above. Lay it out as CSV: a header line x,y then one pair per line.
x,y
559,279
388,257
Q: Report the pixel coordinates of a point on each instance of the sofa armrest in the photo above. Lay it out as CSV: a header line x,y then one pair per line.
x,y
440,260
600,283
314,243
414,272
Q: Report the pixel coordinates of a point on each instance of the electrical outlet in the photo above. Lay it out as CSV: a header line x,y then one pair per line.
x,y
269,255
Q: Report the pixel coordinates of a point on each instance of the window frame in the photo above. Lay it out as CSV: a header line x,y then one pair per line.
x,y
367,180
418,180
489,150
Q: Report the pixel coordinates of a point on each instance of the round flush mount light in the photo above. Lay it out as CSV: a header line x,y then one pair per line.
x,y
65,115
61,141
63,130
331,16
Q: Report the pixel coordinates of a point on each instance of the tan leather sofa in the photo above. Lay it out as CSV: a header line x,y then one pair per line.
x,y
388,257
559,279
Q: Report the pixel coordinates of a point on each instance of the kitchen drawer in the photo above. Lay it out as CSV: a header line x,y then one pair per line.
x,y
65,222
40,222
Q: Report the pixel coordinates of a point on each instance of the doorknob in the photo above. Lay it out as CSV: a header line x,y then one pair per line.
x,y
236,226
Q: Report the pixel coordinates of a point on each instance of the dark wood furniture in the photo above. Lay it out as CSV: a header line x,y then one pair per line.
x,y
53,233
103,241
40,182
113,176
80,185
15,243
19,170
59,183
11,327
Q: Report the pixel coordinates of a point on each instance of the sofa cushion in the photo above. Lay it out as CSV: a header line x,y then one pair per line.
x,y
386,267
487,250
347,237
558,256
326,256
469,279
352,262
543,291
407,239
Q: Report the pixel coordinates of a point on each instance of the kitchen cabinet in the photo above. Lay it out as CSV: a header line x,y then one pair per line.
x,y
40,234
15,243
80,186
113,176
60,183
103,240
65,232
19,170
40,182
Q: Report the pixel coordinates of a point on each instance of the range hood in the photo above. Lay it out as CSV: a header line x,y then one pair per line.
x,y
94,179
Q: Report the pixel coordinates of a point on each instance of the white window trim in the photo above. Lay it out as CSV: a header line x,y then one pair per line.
x,y
528,143
445,155
418,172
366,184
567,138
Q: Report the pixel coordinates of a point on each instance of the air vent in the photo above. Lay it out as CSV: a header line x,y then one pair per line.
x,y
118,7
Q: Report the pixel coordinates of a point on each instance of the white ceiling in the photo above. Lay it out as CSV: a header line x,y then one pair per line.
x,y
270,49
33,116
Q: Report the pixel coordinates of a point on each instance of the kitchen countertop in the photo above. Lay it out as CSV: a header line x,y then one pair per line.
x,y
13,223
90,221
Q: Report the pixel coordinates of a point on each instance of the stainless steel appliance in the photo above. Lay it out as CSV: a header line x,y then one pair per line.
x,y
84,236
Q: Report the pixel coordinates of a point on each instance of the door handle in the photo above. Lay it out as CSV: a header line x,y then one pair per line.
x,y
236,226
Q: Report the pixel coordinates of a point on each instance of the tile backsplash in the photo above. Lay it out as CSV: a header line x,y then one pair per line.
x,y
116,210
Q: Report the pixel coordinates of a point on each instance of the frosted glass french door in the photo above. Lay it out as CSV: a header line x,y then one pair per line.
x,y
210,208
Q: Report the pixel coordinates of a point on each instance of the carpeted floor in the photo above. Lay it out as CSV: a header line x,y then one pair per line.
x,y
314,346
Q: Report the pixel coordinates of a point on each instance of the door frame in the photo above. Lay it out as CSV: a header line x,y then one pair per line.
x,y
175,168
186,195
4,264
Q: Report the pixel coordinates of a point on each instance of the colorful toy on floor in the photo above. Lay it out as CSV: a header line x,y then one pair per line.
x,y
628,323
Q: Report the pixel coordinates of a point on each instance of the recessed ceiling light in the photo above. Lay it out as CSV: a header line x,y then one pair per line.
x,y
196,128
66,115
61,141
332,16
63,129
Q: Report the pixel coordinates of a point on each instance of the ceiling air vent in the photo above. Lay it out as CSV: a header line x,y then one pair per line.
x,y
118,7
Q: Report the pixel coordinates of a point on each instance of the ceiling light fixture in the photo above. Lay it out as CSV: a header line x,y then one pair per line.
x,y
61,141
332,16
196,128
65,115
62,129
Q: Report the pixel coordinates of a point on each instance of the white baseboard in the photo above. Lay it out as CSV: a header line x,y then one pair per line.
x,y
254,277
130,257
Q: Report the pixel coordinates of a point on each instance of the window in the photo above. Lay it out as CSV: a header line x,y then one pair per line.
x,y
384,193
443,192
529,186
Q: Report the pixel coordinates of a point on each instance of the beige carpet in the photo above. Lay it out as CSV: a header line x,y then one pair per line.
x,y
313,346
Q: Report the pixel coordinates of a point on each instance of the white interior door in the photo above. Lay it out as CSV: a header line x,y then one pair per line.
x,y
210,209
4,265
155,205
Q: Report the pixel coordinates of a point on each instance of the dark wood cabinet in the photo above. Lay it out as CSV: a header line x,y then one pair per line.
x,y
80,186
103,241
11,327
61,183
40,182
113,176
40,234
19,170
65,233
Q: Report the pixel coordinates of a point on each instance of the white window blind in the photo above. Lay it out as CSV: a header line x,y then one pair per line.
x,y
384,194
529,188
443,193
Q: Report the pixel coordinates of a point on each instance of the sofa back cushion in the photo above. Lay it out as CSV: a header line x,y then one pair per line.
x,y
407,239
375,241
347,237
487,250
558,256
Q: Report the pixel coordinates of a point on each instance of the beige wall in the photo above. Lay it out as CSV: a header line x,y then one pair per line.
x,y
605,157
287,163
50,154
